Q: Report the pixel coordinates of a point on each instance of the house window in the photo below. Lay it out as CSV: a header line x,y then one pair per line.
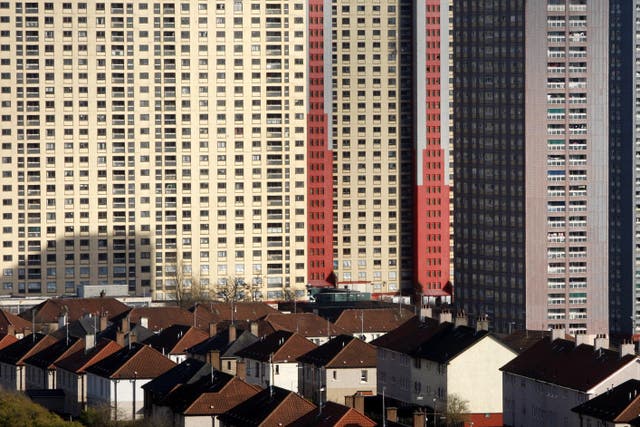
x,y
228,365
277,369
364,376
335,375
257,369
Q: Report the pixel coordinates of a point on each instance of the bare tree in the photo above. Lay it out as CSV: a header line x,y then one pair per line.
x,y
188,289
457,411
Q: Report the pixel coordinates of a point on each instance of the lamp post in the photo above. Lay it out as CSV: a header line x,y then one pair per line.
x,y
435,413
384,410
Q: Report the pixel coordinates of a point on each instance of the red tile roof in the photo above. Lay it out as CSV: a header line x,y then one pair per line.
x,y
79,361
139,361
247,311
343,351
272,407
159,318
19,351
7,340
373,320
563,363
334,414
50,310
7,319
233,393
305,324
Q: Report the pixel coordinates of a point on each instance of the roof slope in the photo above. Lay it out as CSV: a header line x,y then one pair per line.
x,y
8,319
305,324
216,312
280,346
273,406
16,353
46,357
343,351
212,394
334,414
519,341
563,363
448,342
407,337
159,318
139,361
7,340
176,339
80,360
187,372
618,405
220,342
373,320
50,310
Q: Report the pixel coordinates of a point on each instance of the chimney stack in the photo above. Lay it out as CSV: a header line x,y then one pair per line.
x,y
124,324
120,338
89,342
392,414
214,359
601,341
627,347
11,330
232,333
254,328
425,311
241,370
482,323
103,321
419,419
582,338
27,331
557,333
461,319
445,316
132,337
144,322
213,329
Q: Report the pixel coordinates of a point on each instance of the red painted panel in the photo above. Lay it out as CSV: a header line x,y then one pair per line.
x,y
319,157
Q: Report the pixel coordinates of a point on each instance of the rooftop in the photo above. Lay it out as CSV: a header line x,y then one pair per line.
x,y
343,351
50,310
81,359
280,346
563,363
186,372
220,342
372,320
271,406
618,405
136,361
46,357
16,353
158,318
176,339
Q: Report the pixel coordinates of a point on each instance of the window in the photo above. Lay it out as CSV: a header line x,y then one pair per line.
x,y
364,376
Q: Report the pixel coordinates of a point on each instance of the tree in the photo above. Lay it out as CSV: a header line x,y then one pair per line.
x,y
188,290
233,289
457,410
16,410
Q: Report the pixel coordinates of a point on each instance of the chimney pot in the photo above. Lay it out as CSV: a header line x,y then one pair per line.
x,y
213,329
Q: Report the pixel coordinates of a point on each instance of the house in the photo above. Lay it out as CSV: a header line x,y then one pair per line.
x,y
156,390
341,367
174,341
40,366
201,402
428,363
372,323
273,359
116,381
71,371
544,383
617,407
50,314
309,325
221,348
12,369
273,406
11,324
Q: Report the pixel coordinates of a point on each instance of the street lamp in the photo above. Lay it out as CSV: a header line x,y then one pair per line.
x,y
435,413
